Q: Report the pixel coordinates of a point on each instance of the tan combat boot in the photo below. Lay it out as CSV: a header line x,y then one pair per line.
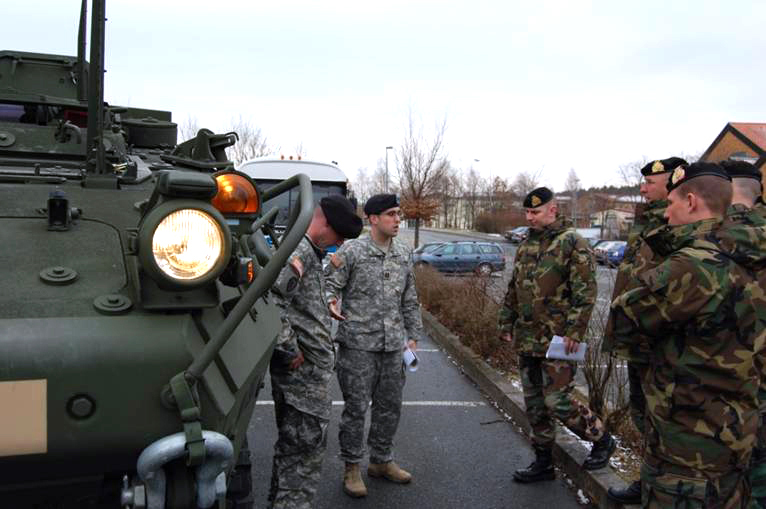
x,y
390,471
353,485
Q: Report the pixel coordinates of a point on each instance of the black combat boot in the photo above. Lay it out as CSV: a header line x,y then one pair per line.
x,y
600,453
626,496
540,470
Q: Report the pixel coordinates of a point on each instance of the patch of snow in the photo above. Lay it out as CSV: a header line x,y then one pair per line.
x,y
582,499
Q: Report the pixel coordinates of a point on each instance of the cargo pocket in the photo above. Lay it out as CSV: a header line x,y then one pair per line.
x,y
681,492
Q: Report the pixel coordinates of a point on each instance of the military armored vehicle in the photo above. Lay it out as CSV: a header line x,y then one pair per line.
x,y
135,320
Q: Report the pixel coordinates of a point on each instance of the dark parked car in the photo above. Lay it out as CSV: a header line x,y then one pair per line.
x,y
615,255
424,248
517,235
603,248
483,258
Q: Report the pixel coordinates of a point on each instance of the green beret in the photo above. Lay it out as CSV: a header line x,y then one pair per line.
x,y
538,197
685,173
341,216
741,169
380,202
662,166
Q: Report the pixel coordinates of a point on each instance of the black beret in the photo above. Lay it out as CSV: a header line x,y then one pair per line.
x,y
380,202
662,166
537,197
341,216
685,173
740,169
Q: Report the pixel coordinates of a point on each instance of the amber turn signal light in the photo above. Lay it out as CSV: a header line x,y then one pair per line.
x,y
236,194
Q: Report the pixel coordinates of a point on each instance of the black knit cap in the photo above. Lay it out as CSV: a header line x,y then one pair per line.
x,y
341,216
740,169
380,202
662,166
538,197
685,173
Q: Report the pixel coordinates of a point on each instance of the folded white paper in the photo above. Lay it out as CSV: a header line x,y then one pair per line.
x,y
556,350
410,359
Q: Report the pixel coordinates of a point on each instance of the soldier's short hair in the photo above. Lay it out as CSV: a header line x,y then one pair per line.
x,y
715,192
747,187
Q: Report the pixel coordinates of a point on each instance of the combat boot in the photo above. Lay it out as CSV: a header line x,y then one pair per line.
x,y
600,453
390,471
626,496
539,470
353,485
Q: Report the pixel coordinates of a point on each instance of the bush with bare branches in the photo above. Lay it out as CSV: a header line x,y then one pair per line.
x,y
465,306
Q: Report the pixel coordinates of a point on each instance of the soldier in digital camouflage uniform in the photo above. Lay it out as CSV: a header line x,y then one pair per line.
x,y
696,311
743,233
372,279
552,292
636,260
303,361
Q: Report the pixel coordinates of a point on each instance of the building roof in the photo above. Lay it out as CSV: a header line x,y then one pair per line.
x,y
752,134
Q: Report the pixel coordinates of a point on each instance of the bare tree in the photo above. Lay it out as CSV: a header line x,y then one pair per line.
x,y
252,142
526,181
188,128
572,185
630,173
299,149
421,164
472,192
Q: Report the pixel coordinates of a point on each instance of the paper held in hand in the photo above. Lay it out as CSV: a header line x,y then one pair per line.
x,y
410,359
556,350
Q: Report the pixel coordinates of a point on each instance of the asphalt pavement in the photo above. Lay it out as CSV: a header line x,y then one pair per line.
x,y
460,449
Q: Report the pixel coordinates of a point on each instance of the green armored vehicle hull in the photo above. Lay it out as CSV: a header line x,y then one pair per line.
x,y
136,324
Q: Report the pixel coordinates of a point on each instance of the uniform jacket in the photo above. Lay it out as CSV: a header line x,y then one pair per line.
x,y
299,292
638,258
377,294
552,290
696,310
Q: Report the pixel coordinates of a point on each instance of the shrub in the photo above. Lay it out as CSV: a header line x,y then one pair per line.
x,y
466,307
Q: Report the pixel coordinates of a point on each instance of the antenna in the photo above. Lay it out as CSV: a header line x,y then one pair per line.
x,y
95,160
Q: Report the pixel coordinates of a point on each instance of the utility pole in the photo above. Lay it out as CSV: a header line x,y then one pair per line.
x,y
386,183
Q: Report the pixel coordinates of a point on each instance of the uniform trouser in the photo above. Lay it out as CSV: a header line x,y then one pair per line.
x,y
548,385
667,486
636,373
298,454
757,472
365,376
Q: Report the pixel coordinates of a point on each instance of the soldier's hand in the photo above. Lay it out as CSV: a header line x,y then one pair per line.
x,y
570,345
506,336
296,363
335,310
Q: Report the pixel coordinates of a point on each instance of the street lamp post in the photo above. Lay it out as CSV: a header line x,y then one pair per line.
x,y
386,183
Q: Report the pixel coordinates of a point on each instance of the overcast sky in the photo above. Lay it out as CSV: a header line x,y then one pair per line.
x,y
522,85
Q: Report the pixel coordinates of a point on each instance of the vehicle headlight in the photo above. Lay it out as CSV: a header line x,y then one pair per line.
x,y
187,244
184,244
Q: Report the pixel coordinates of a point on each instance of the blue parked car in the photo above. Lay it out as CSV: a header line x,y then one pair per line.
x,y
483,258
616,253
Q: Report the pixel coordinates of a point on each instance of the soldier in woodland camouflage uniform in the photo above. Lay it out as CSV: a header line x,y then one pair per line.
x,y
743,234
372,279
638,259
552,292
696,311
302,364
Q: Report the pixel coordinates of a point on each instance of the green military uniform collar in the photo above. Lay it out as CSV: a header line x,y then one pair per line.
x,y
376,250
669,239
552,230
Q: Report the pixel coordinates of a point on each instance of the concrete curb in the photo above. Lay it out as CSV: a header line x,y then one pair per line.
x,y
467,233
568,452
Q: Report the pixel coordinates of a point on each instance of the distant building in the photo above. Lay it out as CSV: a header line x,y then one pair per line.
x,y
612,214
739,140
